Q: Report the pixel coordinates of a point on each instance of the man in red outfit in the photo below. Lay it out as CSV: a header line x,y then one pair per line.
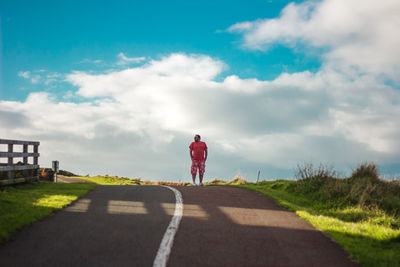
x,y
198,154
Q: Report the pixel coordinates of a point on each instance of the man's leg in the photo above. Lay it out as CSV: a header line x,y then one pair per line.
x,y
193,170
202,169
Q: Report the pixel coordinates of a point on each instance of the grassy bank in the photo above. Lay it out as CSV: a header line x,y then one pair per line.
x,y
110,180
116,180
24,204
361,213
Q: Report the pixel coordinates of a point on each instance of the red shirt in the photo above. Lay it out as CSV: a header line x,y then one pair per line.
x,y
198,150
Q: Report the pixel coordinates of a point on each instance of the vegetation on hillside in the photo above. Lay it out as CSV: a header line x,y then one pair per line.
x,y
60,172
361,212
363,189
238,180
66,173
116,180
110,180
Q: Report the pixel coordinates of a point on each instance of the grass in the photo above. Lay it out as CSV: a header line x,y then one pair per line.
x,y
110,180
24,204
238,180
361,213
115,180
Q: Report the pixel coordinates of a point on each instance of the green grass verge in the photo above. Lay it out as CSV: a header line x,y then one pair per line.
x,y
110,180
370,235
115,180
24,204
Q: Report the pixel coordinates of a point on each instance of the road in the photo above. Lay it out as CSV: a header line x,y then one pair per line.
x,y
124,225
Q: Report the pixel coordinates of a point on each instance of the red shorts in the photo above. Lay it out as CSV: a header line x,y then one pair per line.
x,y
198,164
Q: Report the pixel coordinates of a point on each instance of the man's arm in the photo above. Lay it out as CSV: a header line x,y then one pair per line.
x,y
205,154
191,153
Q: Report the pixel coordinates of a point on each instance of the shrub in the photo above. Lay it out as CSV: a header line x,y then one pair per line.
x,y
366,171
308,171
238,180
363,188
67,173
216,181
311,179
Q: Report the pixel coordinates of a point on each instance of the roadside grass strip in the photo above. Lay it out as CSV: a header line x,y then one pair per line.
x,y
110,180
25,204
115,180
370,236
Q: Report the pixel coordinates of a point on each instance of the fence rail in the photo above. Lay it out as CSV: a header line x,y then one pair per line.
x,y
12,173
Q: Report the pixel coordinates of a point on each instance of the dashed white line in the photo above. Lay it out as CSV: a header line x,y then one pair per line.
x,y
168,239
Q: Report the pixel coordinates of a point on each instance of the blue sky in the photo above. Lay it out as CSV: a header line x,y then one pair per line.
x,y
269,84
58,36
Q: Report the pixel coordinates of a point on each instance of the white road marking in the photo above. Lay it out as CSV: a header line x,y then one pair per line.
x,y
168,239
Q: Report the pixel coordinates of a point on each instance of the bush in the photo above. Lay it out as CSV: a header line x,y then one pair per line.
x,y
238,180
217,181
311,179
67,173
307,171
363,188
366,171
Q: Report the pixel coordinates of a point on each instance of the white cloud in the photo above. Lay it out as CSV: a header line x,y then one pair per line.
x,y
360,51
90,61
355,34
151,112
199,67
24,74
344,113
52,78
35,79
68,95
28,75
44,77
124,60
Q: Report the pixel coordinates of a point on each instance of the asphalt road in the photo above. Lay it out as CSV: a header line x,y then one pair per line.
x,y
124,225
225,226
110,226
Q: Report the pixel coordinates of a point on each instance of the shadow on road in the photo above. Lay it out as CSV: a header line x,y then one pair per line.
x,y
124,225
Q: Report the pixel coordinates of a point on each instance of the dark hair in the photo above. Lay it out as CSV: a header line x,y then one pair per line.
x,y
198,136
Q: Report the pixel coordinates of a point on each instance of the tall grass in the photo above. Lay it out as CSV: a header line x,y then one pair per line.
x,y
360,212
363,189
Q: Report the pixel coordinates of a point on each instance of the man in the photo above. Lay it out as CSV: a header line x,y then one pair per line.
x,y
198,154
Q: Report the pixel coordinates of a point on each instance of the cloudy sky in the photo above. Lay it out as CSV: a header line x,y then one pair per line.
x,y
121,87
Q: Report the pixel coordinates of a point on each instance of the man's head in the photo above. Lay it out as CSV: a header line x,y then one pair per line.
x,y
197,138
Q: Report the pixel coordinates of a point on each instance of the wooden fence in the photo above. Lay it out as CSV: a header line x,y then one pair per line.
x,y
22,171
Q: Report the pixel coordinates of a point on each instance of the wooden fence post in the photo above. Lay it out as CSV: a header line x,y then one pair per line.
x,y
10,161
35,158
25,172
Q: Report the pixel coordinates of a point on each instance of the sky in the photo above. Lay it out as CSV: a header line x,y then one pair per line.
x,y
122,87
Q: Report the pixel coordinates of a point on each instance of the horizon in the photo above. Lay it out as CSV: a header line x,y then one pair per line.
x,y
121,88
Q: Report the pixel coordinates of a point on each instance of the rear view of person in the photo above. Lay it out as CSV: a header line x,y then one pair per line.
x,y
198,154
